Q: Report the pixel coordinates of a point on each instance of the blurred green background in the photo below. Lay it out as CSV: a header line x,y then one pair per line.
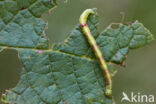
x,y
140,72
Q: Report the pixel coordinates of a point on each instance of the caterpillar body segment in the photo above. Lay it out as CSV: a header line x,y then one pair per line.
x,y
97,52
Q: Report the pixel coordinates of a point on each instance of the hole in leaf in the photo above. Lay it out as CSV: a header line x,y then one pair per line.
x,y
115,26
61,22
10,68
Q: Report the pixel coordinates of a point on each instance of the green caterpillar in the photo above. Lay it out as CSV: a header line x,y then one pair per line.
x,y
97,52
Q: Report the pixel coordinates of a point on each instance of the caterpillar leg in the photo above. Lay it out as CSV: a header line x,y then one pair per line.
x,y
97,52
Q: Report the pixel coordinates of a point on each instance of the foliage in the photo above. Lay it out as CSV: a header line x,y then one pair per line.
x,y
67,73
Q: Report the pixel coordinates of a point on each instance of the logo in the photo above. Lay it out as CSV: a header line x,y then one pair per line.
x,y
134,98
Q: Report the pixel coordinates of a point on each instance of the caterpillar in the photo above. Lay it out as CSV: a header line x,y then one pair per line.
x,y
96,50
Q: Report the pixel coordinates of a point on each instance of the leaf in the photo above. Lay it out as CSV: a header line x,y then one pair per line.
x,y
54,77
114,43
69,73
20,23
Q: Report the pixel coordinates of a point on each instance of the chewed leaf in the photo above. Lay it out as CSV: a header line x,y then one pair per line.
x,y
69,73
76,43
116,43
20,23
55,77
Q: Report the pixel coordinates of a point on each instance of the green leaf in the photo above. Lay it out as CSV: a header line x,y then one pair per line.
x,y
20,23
114,43
68,73
76,43
54,77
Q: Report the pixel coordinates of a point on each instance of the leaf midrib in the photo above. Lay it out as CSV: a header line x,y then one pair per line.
x,y
48,50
